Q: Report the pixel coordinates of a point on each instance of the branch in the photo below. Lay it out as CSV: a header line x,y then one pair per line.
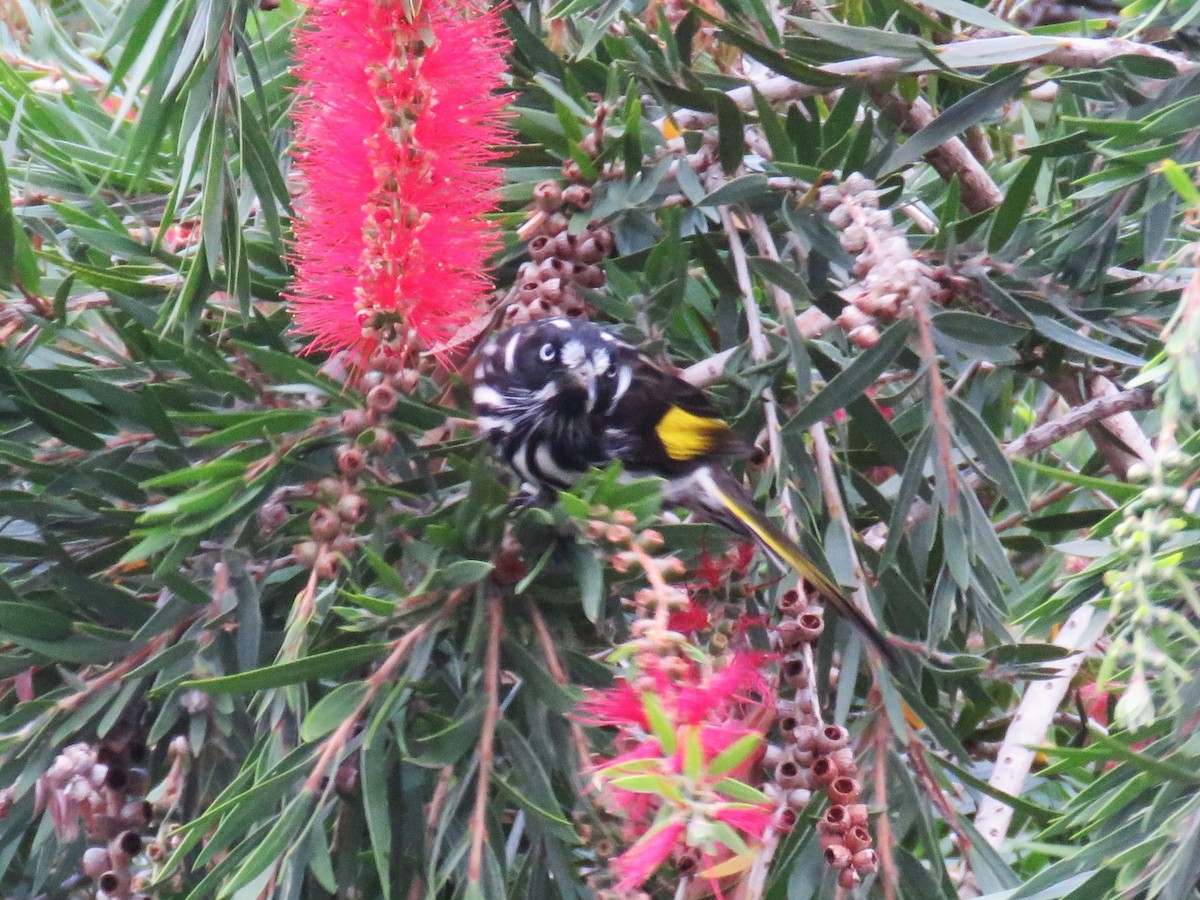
x,y
487,738
1089,415
1066,53
1117,436
951,158
812,323
1094,412
1032,722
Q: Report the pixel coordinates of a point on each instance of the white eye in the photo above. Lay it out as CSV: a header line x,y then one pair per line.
x,y
547,353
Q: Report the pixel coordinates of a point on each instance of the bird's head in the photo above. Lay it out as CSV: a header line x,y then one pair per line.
x,y
572,366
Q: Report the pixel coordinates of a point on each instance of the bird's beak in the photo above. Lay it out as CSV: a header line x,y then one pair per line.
x,y
581,378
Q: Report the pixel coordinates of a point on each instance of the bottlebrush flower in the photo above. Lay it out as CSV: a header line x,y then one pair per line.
x,y
397,124
685,744
638,863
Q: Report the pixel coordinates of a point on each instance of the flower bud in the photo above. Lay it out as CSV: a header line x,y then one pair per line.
x,y
811,625
564,246
835,820
382,398
352,422
325,524
856,814
789,775
540,248
306,553
844,759
795,672
848,879
589,251
124,846
578,195
351,460
865,861
352,508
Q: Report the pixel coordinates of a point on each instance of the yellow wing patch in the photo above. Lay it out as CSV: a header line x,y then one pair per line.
x,y
686,435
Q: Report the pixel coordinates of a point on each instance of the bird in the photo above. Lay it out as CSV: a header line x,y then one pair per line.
x,y
556,397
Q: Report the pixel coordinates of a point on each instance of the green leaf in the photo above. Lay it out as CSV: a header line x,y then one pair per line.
x,y
991,457
17,261
1012,210
847,385
660,725
333,709
735,754
970,110
319,665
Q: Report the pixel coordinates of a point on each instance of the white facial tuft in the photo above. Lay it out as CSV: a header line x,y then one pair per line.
x,y
573,353
601,360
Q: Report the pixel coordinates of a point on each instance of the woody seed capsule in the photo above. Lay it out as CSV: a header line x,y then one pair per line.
x,y
843,790
832,737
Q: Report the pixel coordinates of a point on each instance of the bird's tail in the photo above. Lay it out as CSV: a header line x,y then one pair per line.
x,y
737,512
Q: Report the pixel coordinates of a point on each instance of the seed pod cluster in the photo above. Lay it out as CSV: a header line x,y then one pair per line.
x,y
815,757
561,264
890,276
393,372
102,786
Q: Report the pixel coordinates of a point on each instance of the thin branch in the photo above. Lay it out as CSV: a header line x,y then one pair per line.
x,y
885,841
1095,411
1032,722
812,323
937,398
759,348
951,159
1067,53
487,738
559,674
1101,409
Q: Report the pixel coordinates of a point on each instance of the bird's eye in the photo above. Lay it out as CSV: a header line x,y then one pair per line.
x,y
548,353
610,372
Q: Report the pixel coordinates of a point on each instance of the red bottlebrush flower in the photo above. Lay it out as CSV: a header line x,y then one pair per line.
x,y
396,127
690,620
741,676
751,821
638,863
619,705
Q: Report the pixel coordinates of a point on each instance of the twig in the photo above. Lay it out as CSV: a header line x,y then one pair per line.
x,y
884,840
811,323
559,674
1038,503
1101,409
1032,721
1067,53
759,348
951,158
937,398
487,738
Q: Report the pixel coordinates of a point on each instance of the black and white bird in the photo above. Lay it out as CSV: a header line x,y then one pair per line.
x,y
557,397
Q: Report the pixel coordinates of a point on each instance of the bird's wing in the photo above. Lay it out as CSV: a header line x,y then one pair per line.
x,y
664,426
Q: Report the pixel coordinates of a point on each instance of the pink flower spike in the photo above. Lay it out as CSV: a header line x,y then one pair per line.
x,y
751,821
397,123
638,863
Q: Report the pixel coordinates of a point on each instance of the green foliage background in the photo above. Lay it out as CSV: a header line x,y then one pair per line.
x,y
152,400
